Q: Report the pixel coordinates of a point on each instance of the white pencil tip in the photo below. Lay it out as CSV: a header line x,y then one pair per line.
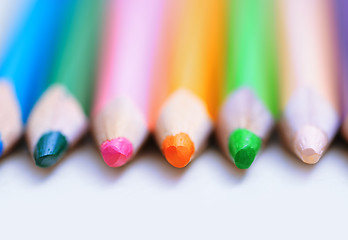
x,y
310,144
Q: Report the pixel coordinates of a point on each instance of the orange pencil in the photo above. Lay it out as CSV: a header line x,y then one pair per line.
x,y
185,120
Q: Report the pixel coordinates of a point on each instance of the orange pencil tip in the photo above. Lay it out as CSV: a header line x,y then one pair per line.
x,y
178,149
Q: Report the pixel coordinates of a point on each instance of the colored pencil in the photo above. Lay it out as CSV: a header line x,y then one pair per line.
x,y
309,94
250,89
59,119
185,121
9,17
121,114
11,14
341,7
24,65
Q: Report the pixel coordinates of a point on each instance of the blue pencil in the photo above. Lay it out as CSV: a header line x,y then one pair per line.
x,y
25,65
11,13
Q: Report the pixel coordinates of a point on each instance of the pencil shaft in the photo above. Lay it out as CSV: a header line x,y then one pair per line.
x,y
251,58
307,49
27,59
74,66
197,50
129,48
11,13
341,8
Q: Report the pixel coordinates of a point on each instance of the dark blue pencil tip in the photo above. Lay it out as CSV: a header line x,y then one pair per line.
x,y
49,149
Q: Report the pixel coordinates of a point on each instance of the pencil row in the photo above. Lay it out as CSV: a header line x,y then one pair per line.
x,y
177,69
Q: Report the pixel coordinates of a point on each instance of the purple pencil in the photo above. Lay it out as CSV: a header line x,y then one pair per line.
x,y
342,27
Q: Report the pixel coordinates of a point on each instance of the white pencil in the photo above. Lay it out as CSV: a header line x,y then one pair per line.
x,y
309,82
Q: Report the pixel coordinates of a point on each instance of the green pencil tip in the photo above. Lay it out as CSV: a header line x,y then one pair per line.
x,y
49,149
244,146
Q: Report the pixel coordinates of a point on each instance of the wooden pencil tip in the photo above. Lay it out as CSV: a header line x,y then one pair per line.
x,y
116,152
310,144
178,149
11,123
50,149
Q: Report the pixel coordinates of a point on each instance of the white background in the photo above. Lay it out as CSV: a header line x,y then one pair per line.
x,y
277,198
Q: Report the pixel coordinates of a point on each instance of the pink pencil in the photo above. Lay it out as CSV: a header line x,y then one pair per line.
x,y
121,112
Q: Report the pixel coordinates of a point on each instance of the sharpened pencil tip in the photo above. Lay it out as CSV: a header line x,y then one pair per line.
x,y
178,149
310,144
116,152
244,145
50,149
309,156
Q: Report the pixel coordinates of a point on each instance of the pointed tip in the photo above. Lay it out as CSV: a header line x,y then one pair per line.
x,y
310,144
244,145
116,152
178,149
50,149
309,156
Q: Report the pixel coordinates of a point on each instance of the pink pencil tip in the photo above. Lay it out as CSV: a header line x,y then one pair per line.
x,y
116,152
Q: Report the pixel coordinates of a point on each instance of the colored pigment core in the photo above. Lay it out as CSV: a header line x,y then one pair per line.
x,y
244,146
50,149
178,149
1,146
116,152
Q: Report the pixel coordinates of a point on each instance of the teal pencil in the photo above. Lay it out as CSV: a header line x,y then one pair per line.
x,y
60,117
24,67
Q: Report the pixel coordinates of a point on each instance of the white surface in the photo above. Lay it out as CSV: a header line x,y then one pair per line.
x,y
81,198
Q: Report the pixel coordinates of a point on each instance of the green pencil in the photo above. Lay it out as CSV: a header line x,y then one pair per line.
x,y
59,119
249,88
